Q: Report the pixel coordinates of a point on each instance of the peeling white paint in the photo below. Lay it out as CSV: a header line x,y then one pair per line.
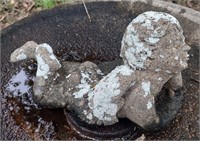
x,y
146,88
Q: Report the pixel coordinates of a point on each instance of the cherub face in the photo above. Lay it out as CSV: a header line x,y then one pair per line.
x,y
170,54
181,49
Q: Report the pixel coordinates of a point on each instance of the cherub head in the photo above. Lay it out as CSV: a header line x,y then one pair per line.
x,y
154,41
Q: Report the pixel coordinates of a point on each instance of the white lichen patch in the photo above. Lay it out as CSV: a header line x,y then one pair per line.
x,y
160,78
89,116
100,72
184,64
46,46
147,24
158,32
53,57
155,16
176,57
149,104
135,53
157,70
155,36
146,88
126,70
43,68
68,76
21,56
84,86
101,98
50,50
167,71
57,75
162,56
152,40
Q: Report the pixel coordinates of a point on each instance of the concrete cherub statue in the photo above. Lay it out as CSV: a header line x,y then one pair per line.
x,y
154,53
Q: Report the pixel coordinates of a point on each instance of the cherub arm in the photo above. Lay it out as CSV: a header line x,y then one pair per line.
x,y
106,99
139,106
174,83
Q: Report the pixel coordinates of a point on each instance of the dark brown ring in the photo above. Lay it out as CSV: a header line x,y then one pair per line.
x,y
124,129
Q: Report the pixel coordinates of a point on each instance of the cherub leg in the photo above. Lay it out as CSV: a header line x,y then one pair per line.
x,y
44,84
27,51
47,62
43,53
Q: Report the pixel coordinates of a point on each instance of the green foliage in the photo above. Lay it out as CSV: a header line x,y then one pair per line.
x,y
47,4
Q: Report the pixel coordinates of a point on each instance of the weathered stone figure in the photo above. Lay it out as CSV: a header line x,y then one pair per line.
x,y
154,53
155,47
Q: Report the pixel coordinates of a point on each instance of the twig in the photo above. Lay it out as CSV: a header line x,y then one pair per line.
x,y
31,6
3,17
86,10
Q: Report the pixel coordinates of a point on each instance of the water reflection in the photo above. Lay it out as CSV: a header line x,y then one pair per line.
x,y
24,110
19,87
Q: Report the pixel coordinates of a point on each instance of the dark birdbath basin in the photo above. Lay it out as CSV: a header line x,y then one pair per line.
x,y
74,38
